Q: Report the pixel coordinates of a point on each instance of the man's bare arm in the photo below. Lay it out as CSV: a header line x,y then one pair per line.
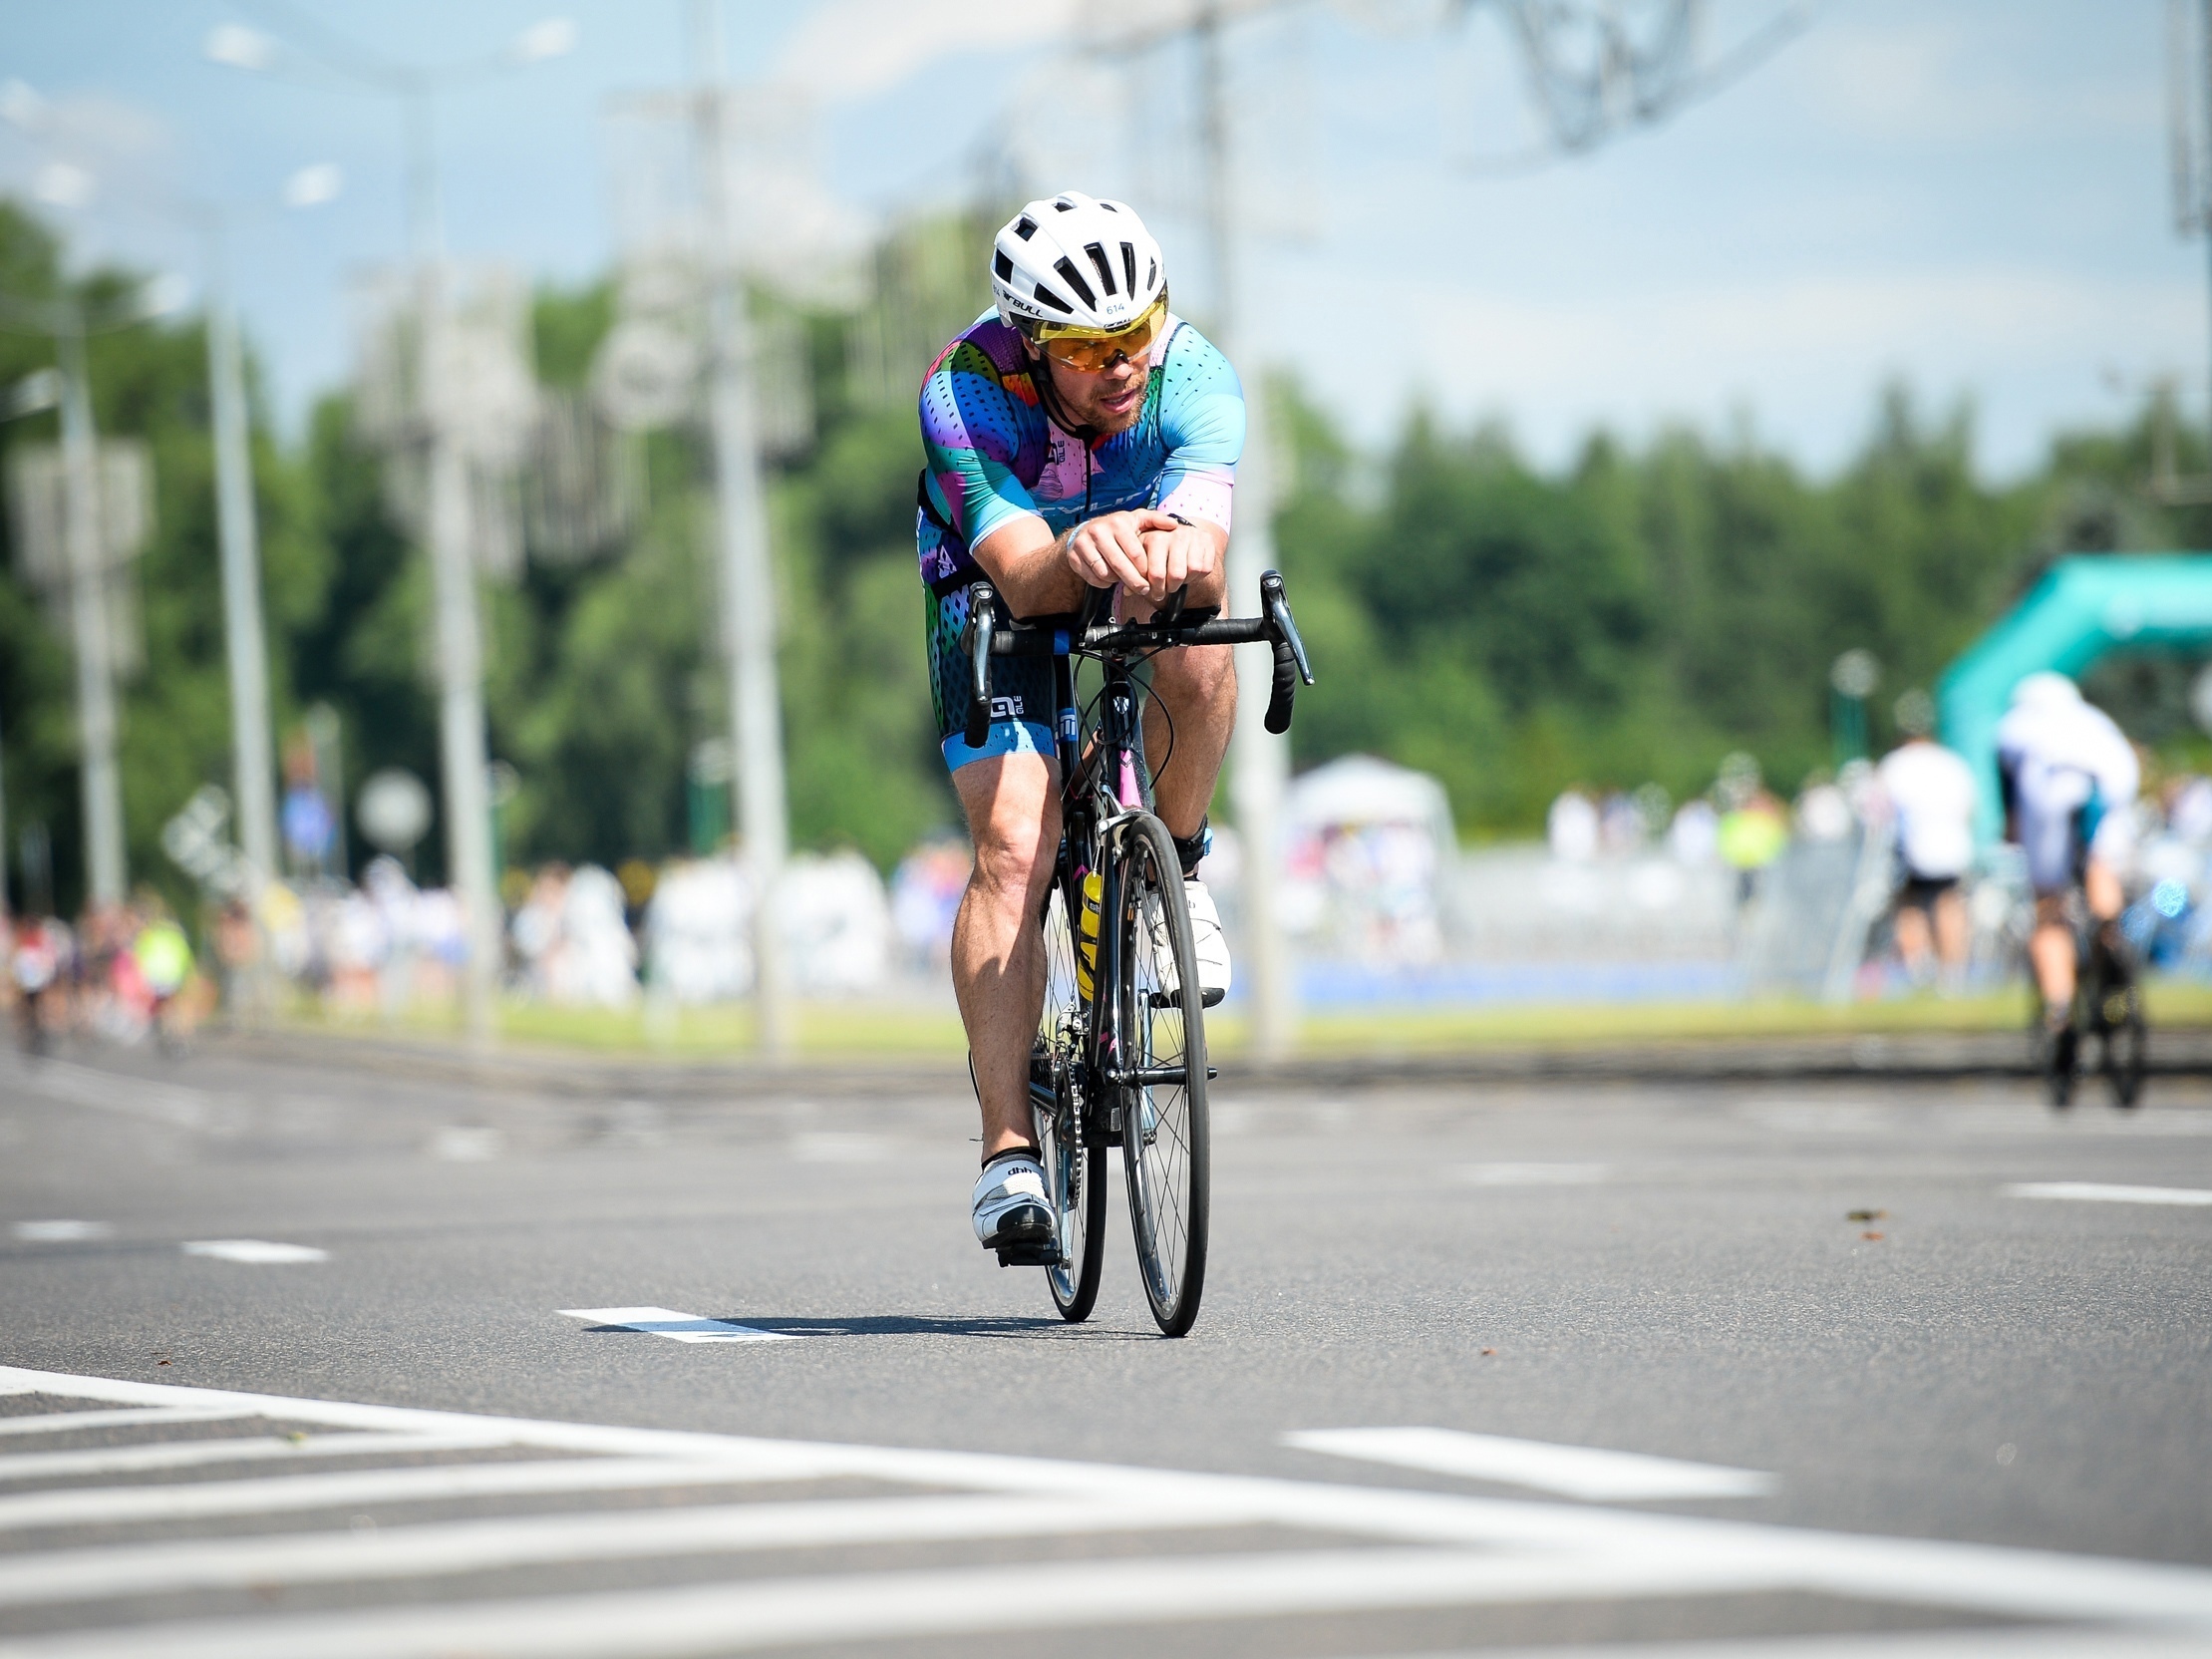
x,y
1040,573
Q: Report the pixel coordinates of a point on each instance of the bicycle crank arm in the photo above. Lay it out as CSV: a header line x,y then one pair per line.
x,y
1155,1077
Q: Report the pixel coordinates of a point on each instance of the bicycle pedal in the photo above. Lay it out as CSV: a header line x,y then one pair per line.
x,y
1041,1254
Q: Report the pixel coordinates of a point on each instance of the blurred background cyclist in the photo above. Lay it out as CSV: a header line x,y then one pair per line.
x,y
2070,777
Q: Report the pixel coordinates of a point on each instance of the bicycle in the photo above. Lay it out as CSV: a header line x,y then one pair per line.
x,y
2107,1006
1120,1051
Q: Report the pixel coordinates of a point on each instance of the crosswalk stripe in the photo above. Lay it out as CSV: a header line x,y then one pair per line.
x,y
87,1506
125,1416
478,1546
665,1623
1571,1471
138,1460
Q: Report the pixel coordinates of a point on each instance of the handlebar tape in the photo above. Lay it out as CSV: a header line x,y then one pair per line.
x,y
1284,690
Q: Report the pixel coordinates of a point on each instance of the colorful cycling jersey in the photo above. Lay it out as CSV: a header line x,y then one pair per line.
x,y
993,454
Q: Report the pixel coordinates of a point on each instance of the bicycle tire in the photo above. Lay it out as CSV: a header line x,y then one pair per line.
x,y
1159,1026
1075,1173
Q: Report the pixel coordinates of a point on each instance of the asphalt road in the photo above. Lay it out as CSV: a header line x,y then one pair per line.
x,y
1833,1342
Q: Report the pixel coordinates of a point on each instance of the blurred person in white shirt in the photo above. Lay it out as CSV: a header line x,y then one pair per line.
x,y
1932,797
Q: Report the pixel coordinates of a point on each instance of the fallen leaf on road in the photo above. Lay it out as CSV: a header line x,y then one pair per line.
x,y
1870,1235
1489,1351
1866,1215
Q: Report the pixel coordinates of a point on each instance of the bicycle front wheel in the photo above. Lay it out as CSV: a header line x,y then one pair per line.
x,y
1158,1070
1075,1173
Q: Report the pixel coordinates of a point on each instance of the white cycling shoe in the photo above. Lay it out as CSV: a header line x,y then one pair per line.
x,y
1011,1212
1211,943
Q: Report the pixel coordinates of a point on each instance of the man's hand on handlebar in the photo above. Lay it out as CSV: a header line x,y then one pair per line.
x,y
1146,552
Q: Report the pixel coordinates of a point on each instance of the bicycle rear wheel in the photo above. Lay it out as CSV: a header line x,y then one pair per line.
x,y
1075,1173
1159,1064
2126,1042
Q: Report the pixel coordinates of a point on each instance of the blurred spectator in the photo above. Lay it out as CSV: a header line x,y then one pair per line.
x,y
1620,825
572,939
37,962
1695,836
1931,795
925,897
698,931
836,923
2190,809
1571,827
1824,812
1754,828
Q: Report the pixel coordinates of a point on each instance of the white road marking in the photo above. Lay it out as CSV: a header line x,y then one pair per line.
x,y
1571,1471
89,1505
194,1454
126,1417
1491,1550
260,1251
2089,1191
1535,1174
456,1144
480,1547
61,1233
651,1624
1897,1644
677,1327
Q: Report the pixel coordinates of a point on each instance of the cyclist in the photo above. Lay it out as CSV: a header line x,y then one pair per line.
x,y
1932,793
1078,435
2069,776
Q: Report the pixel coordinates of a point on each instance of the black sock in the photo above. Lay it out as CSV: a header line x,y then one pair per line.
x,y
1192,849
1035,1153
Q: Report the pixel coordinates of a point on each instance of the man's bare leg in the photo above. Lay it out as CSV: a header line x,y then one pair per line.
x,y
2050,953
1914,948
998,956
1198,686
1950,934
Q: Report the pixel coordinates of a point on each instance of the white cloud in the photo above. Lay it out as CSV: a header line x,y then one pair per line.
x,y
849,50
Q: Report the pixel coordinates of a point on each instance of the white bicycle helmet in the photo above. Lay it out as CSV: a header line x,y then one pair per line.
x,y
1078,262
2045,689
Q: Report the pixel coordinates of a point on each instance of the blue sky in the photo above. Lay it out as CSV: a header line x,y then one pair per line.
x,y
1968,193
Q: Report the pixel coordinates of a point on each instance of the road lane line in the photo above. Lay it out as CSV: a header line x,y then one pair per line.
x,y
700,1620
1535,1174
259,1251
2089,1191
126,1417
191,1454
1571,1471
482,1546
89,1506
677,1327
62,1233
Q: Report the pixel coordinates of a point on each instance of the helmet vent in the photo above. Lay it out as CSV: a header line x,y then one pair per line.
x,y
1129,266
1073,278
1004,266
1047,297
1064,204
1027,228
1106,266
1152,274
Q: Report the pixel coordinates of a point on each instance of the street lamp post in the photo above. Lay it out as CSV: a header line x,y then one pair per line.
x,y
458,657
99,782
747,580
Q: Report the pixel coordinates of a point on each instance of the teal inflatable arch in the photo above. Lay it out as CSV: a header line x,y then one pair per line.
x,y
2082,610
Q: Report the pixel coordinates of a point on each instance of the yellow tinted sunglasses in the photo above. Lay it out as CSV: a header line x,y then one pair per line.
x,y
1091,353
